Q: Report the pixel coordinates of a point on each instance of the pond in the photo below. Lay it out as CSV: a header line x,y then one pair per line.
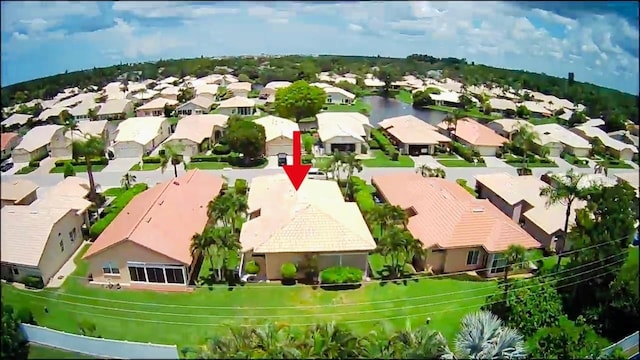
x,y
383,108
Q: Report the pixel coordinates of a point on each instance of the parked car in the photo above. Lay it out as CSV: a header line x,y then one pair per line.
x,y
282,159
317,174
6,165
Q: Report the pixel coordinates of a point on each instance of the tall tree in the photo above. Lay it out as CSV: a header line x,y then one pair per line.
x,y
351,164
172,154
567,340
525,138
14,344
514,256
399,246
299,100
565,189
89,148
246,137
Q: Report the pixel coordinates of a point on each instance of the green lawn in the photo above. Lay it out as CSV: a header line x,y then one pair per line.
x,y
321,161
474,113
382,160
460,163
446,156
357,106
25,170
78,169
208,165
173,120
570,159
37,351
543,121
113,192
619,165
405,96
145,167
533,164
186,319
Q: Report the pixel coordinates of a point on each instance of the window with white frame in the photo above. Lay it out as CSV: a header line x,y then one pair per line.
x,y
111,268
472,257
157,273
498,263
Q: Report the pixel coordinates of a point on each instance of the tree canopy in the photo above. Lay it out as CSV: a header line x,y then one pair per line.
x,y
14,345
246,137
299,100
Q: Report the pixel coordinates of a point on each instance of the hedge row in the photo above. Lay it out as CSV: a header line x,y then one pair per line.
x,y
221,149
384,144
114,209
530,159
307,158
233,159
151,159
341,275
34,163
466,153
362,194
74,162
210,158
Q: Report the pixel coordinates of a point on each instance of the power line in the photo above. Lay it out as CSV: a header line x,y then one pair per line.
x,y
303,315
623,252
375,281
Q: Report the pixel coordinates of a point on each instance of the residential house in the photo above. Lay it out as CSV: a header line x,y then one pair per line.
x,y
278,134
447,98
626,137
35,143
237,106
502,106
81,111
289,226
143,247
209,90
197,133
170,93
412,135
615,147
77,99
8,141
196,106
571,142
269,91
538,110
137,136
240,88
161,86
222,80
115,109
16,120
519,198
460,232
155,107
631,178
18,192
145,96
596,123
39,240
52,115
373,82
321,85
451,85
62,142
71,192
508,127
344,131
476,136
339,96
169,80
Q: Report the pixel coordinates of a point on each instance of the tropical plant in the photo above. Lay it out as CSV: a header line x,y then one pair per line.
x,y
514,258
386,216
127,181
399,246
200,245
331,341
14,344
525,138
68,170
565,189
351,164
91,147
252,268
172,154
483,336
336,162
420,343
602,167
226,245
92,113
427,171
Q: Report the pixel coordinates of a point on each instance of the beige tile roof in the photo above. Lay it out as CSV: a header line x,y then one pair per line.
x,y
475,133
150,219
536,107
140,129
563,135
206,89
23,242
502,104
16,119
198,127
241,85
350,124
514,189
313,219
277,84
116,106
16,190
235,102
169,80
411,130
447,96
83,108
337,90
594,132
38,137
322,85
145,95
274,127
633,178
447,216
77,99
92,127
55,111
157,103
373,82
71,186
172,90
593,122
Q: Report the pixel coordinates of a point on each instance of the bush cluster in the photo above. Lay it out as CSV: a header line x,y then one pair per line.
x,y
241,186
221,149
307,158
288,271
252,268
151,159
34,282
384,144
362,194
210,158
111,211
341,275
75,162
466,153
34,163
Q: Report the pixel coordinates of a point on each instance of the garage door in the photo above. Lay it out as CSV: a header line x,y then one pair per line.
x,y
21,156
343,147
275,147
127,150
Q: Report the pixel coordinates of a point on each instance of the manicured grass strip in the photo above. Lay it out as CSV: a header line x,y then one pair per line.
x,y
208,165
533,165
114,209
543,121
574,161
145,167
25,170
37,351
460,163
382,160
617,165
78,169
446,156
470,190
113,192
357,106
405,96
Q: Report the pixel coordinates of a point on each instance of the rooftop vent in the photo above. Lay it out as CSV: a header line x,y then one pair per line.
x,y
161,202
478,210
149,220
176,183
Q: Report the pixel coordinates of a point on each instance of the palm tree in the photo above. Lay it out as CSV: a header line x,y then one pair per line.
x,y
602,167
91,147
127,181
452,122
225,242
275,342
92,114
565,189
69,124
331,341
239,345
514,257
421,343
525,138
483,336
427,171
400,247
387,215
336,160
200,245
172,154
230,209
351,164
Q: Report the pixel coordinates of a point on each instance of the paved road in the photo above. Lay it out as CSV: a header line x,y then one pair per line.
x,y
112,179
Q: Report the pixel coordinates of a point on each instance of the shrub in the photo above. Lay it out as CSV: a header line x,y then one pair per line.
x,y
373,145
288,271
462,182
151,160
499,154
252,268
69,170
26,316
34,282
114,209
341,275
462,151
99,161
34,163
364,149
209,158
221,149
307,142
307,158
394,155
241,186
382,141
235,159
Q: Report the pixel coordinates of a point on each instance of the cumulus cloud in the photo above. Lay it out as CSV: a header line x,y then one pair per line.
x,y
495,33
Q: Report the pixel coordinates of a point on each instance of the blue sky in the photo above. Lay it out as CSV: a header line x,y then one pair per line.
x,y
598,41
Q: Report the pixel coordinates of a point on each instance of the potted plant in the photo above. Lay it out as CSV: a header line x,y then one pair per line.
x,y
289,272
252,268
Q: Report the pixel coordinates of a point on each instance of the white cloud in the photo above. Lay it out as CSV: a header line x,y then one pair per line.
x,y
269,14
39,15
355,27
167,9
19,36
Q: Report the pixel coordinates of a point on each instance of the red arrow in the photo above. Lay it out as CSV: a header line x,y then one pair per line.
x,y
297,172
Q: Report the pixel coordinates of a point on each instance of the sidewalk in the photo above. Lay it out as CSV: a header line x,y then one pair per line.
x,y
58,279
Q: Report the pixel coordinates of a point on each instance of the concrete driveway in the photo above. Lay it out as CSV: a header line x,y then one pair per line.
x,y
492,161
45,166
273,162
16,167
121,165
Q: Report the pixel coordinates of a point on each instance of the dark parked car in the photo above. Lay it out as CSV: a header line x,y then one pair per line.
x,y
6,166
282,159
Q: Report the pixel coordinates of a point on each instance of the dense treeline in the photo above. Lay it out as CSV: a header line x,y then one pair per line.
x,y
600,102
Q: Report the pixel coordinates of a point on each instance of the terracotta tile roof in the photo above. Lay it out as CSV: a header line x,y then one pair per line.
x,y
447,216
475,133
5,138
165,217
411,130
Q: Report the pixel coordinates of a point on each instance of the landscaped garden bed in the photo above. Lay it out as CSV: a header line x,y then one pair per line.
x,y
111,211
460,163
79,166
577,162
388,155
463,183
468,157
533,161
615,164
26,170
217,162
